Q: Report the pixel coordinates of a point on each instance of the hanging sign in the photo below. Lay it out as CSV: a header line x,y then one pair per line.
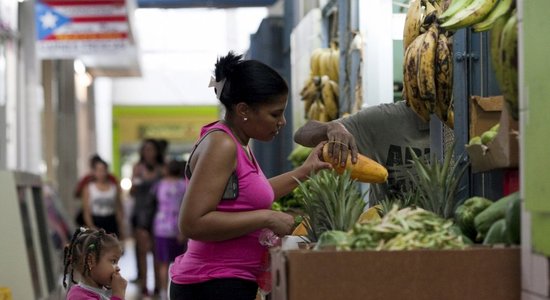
x,y
72,28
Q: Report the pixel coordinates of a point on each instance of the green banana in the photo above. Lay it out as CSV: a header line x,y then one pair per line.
x,y
509,59
473,13
453,8
426,67
501,8
494,46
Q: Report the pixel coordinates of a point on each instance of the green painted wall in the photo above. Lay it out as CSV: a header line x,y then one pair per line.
x,y
536,130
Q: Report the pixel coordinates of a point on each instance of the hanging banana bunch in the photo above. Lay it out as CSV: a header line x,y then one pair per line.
x,y
320,91
480,14
427,69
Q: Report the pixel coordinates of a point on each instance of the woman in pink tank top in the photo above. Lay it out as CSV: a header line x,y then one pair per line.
x,y
228,198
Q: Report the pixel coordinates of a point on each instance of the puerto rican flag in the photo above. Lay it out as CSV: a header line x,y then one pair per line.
x,y
81,25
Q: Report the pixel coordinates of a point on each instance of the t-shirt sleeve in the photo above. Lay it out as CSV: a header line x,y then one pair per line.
x,y
363,125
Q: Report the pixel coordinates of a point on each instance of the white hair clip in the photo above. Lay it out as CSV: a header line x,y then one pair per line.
x,y
82,229
218,85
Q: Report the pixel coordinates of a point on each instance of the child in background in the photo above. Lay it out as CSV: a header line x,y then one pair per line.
x,y
169,242
94,255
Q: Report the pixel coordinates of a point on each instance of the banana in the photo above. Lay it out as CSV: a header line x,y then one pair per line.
x,y
426,67
453,8
335,88
314,61
494,46
329,100
501,8
443,76
450,117
324,62
509,61
334,63
410,81
471,14
310,92
413,20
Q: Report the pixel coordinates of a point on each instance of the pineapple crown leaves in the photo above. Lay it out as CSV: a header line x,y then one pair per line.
x,y
331,202
438,181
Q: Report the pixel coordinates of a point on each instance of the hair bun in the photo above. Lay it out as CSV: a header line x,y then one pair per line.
x,y
225,65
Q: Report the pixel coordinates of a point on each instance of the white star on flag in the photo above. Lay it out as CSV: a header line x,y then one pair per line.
x,y
48,20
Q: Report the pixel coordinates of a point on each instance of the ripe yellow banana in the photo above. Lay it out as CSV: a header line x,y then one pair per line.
x,y
413,20
314,62
329,100
334,64
443,76
410,80
310,92
426,66
324,62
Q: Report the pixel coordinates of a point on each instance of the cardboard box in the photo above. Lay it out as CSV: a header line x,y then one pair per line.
x,y
474,274
484,113
502,152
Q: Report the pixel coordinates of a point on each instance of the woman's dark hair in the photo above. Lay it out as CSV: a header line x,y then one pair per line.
x,y
159,157
96,159
248,81
176,167
85,242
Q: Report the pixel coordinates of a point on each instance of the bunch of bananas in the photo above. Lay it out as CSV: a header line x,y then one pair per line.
x,y
480,14
428,62
320,92
504,58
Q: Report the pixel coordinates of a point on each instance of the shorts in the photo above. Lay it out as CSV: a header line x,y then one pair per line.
x,y
167,249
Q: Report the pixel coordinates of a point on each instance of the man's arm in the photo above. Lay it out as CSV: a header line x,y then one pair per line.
x,y
340,141
312,133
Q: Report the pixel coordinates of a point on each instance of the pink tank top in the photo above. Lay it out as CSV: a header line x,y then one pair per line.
x,y
239,257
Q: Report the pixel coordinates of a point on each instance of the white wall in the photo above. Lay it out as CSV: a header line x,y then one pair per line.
x,y
179,49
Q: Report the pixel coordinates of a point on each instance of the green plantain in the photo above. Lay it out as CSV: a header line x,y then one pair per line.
x,y
473,13
501,8
509,60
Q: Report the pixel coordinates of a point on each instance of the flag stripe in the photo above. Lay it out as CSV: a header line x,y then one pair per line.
x,y
91,10
99,19
82,2
75,28
88,36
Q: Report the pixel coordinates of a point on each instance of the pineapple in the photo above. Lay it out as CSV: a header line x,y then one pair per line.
x,y
437,182
330,202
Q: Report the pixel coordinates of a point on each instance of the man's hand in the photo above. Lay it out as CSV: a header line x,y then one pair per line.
x,y
340,143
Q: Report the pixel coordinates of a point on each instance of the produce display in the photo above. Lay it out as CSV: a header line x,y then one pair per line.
x,y
320,92
466,213
485,137
404,229
495,212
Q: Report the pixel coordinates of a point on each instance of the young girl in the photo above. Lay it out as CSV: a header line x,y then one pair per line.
x,y
94,255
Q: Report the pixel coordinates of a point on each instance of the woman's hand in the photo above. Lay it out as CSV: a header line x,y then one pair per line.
x,y
314,161
281,223
341,142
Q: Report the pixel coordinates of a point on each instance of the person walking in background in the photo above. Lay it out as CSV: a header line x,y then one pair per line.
x,y
146,173
83,183
169,242
94,255
102,203
227,203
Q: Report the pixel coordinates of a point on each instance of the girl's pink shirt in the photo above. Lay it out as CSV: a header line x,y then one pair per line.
x,y
239,257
